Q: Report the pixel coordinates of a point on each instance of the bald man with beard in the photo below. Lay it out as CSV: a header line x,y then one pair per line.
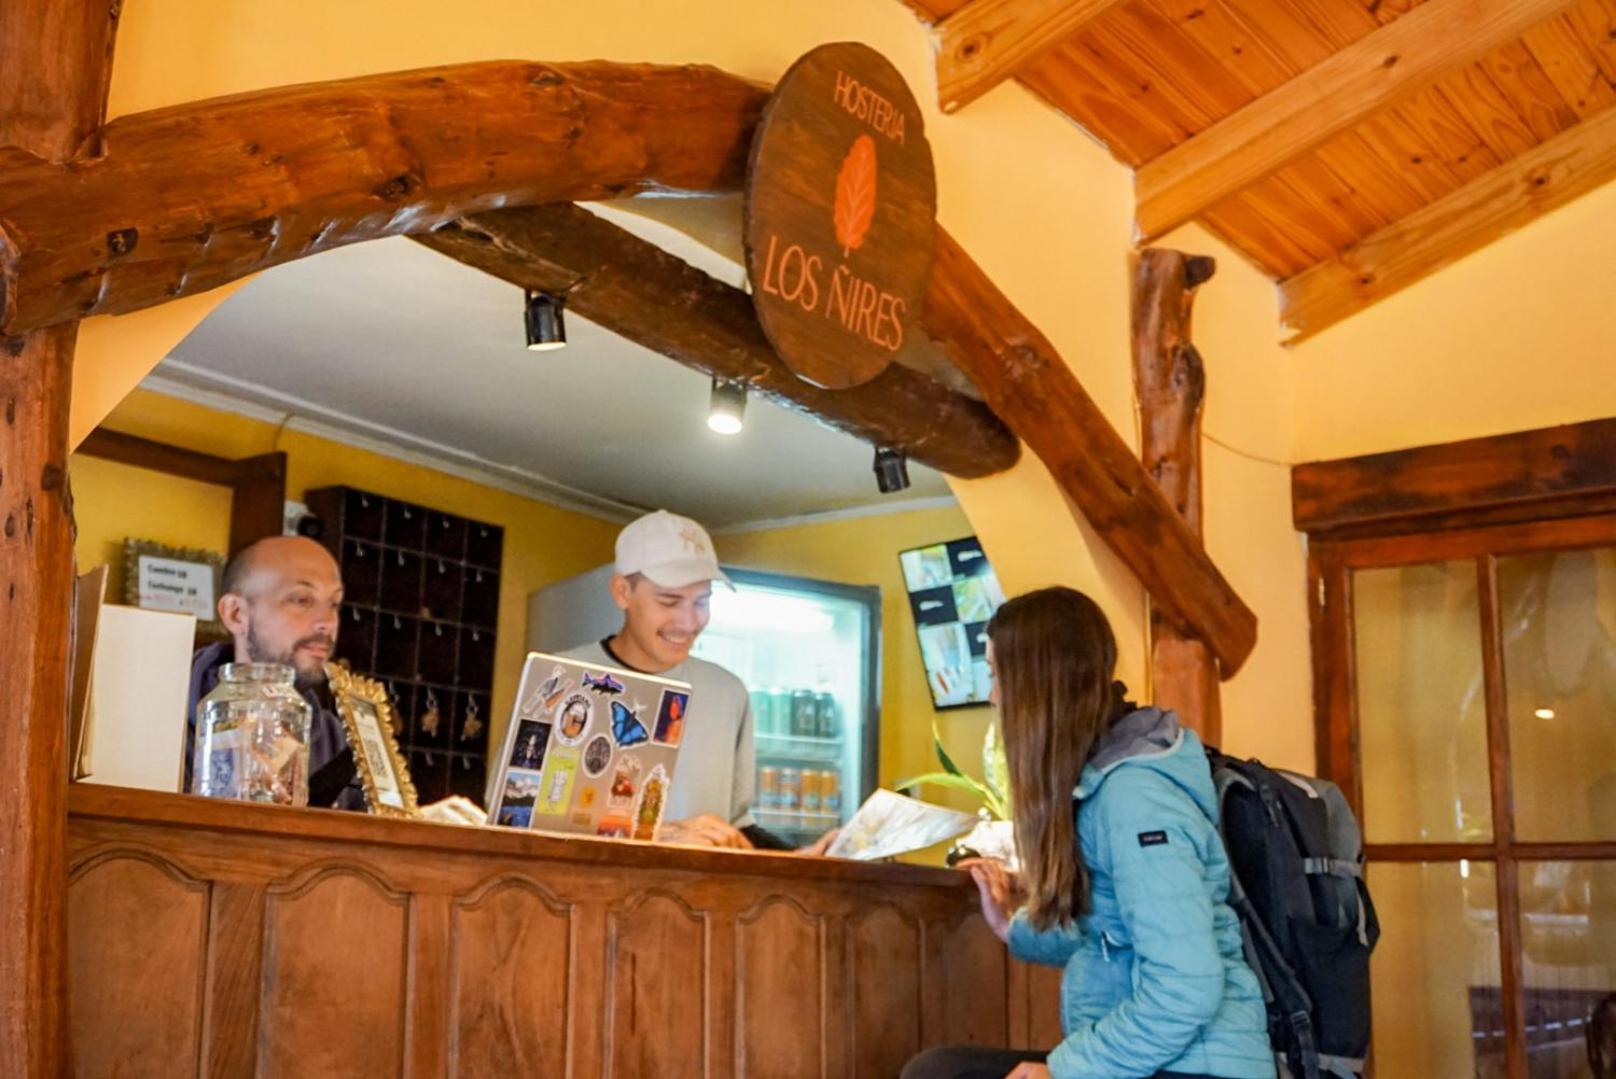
x,y
280,602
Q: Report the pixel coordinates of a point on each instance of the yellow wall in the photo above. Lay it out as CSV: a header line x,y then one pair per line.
x,y
543,543
864,550
1516,336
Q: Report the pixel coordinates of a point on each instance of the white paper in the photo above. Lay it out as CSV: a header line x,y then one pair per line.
x,y
888,824
167,584
138,684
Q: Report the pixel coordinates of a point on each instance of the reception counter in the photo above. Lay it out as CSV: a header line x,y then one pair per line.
x,y
227,940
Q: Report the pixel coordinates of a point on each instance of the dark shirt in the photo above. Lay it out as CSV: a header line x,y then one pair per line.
x,y
333,777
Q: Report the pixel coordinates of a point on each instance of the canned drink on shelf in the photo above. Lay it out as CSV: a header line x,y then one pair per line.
x,y
804,713
779,711
768,795
760,710
790,790
827,726
830,793
810,791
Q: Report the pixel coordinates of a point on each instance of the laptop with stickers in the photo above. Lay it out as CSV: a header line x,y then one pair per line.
x,y
590,750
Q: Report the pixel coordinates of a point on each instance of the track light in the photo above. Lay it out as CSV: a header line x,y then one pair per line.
x,y
545,328
891,470
728,408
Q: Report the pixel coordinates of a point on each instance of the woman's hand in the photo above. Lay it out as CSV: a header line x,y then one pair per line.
x,y
1029,1071
998,891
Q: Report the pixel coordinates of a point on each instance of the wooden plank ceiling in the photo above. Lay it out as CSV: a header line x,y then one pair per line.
x,y
1347,147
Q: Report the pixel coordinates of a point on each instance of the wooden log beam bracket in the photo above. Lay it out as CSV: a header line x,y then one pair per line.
x,y
1331,97
636,289
1026,382
1170,379
987,41
192,197
55,67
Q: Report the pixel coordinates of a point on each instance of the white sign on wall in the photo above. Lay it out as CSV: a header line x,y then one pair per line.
x,y
167,584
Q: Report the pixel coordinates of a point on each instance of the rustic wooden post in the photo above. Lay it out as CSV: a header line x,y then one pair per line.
x,y
55,63
1171,382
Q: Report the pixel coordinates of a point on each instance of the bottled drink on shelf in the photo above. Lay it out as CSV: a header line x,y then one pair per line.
x,y
804,713
810,791
779,711
830,793
768,796
828,725
790,790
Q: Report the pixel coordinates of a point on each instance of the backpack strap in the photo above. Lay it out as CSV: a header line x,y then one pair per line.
x,y
1333,867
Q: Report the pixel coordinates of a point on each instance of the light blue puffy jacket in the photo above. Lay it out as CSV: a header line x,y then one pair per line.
x,y
1155,979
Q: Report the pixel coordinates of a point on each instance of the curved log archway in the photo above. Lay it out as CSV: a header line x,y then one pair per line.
x,y
191,197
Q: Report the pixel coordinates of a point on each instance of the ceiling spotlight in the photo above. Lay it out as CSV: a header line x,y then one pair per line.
x,y
728,408
891,470
545,328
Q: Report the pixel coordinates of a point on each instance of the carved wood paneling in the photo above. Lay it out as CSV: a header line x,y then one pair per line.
x,y
884,964
780,970
656,993
963,956
336,952
132,912
511,977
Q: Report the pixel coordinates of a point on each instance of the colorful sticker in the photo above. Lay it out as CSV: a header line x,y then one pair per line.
x,y
532,737
602,683
572,718
517,798
583,820
515,816
586,798
538,702
653,797
597,755
670,720
615,827
555,789
625,782
626,725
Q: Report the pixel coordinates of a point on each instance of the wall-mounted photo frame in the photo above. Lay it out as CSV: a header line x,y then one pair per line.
x,y
367,719
184,580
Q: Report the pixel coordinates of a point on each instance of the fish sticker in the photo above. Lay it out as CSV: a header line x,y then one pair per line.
x,y
626,726
603,683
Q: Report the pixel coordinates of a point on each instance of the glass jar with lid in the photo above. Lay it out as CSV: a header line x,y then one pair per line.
x,y
252,737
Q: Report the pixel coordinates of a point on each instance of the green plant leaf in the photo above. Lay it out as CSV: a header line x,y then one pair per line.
x,y
942,754
976,787
995,768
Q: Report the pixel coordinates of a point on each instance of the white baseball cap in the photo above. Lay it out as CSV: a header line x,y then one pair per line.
x,y
670,550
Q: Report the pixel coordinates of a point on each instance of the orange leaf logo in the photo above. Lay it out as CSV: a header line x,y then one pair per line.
x,y
855,194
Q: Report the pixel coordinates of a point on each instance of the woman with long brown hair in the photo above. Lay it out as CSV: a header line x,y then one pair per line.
x,y
1124,881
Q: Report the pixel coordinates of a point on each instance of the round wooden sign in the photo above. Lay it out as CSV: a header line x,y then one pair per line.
x,y
841,204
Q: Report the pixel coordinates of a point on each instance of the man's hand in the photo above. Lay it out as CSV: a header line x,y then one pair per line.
x,y
1029,1071
706,830
818,847
999,892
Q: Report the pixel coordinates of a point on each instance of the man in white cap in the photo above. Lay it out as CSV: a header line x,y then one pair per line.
x,y
664,584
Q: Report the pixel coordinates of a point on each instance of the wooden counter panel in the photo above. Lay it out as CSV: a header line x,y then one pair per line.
x,y
249,941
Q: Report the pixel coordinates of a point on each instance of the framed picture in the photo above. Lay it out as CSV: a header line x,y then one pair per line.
x,y
952,593
367,719
184,580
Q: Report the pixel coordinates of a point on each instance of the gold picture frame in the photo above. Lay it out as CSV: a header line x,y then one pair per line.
x,y
191,582
367,720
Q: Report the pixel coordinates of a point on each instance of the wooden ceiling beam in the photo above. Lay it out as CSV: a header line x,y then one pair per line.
x,y
987,41
188,198
1548,176
636,289
1333,96
1026,382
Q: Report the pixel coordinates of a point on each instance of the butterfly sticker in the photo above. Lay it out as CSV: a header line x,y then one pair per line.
x,y
626,726
604,683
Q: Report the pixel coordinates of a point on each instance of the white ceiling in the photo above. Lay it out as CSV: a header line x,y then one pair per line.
x,y
394,343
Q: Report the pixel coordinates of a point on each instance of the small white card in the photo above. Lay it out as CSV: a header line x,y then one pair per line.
x,y
167,584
